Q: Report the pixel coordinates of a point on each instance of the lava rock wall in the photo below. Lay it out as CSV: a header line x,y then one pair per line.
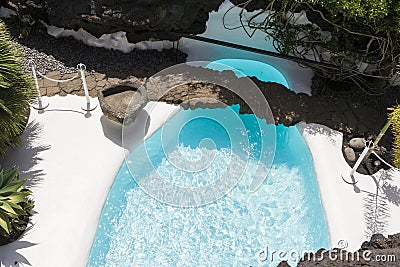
x,y
140,19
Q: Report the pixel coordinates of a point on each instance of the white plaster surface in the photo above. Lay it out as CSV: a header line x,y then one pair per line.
x,y
346,205
72,161
115,41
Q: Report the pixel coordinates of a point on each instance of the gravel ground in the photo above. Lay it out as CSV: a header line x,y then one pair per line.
x,y
44,63
63,54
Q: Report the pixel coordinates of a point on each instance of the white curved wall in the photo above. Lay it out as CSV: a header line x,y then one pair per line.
x,y
116,41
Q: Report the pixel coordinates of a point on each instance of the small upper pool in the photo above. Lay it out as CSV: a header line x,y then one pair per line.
x,y
193,149
244,67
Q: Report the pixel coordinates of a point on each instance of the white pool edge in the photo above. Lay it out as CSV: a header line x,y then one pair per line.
x,y
343,204
77,158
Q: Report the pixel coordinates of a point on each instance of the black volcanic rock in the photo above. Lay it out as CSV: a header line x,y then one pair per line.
x,y
141,19
382,252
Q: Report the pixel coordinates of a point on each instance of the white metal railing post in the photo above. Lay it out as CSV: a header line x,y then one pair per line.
x,y
40,105
81,68
368,146
359,160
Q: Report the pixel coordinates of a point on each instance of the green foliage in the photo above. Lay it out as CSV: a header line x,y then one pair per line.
x,y
360,31
380,14
15,206
26,23
16,91
394,117
360,22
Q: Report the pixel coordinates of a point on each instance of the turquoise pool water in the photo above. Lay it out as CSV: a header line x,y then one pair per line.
x,y
244,67
285,213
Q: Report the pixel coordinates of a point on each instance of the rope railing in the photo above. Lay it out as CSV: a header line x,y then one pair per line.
x,y
57,81
368,149
385,162
80,68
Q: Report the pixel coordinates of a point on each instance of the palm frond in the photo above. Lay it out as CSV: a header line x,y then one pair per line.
x,y
16,91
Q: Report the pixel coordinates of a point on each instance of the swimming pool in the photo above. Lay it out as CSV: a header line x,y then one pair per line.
x,y
251,68
285,213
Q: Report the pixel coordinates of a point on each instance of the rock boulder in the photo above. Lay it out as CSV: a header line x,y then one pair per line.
x,y
121,102
357,143
350,154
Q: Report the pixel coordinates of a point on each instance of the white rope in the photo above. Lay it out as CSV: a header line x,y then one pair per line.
x,y
381,159
57,81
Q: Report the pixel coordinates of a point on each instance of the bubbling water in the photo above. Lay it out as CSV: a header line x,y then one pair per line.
x,y
228,232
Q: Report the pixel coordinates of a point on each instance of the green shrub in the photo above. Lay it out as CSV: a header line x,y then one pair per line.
x,y
366,31
15,205
394,116
16,91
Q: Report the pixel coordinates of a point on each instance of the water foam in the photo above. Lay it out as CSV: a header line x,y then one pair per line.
x,y
228,232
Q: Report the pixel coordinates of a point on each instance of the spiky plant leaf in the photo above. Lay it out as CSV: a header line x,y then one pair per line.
x,y
7,208
15,205
12,187
6,176
16,197
394,116
4,224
